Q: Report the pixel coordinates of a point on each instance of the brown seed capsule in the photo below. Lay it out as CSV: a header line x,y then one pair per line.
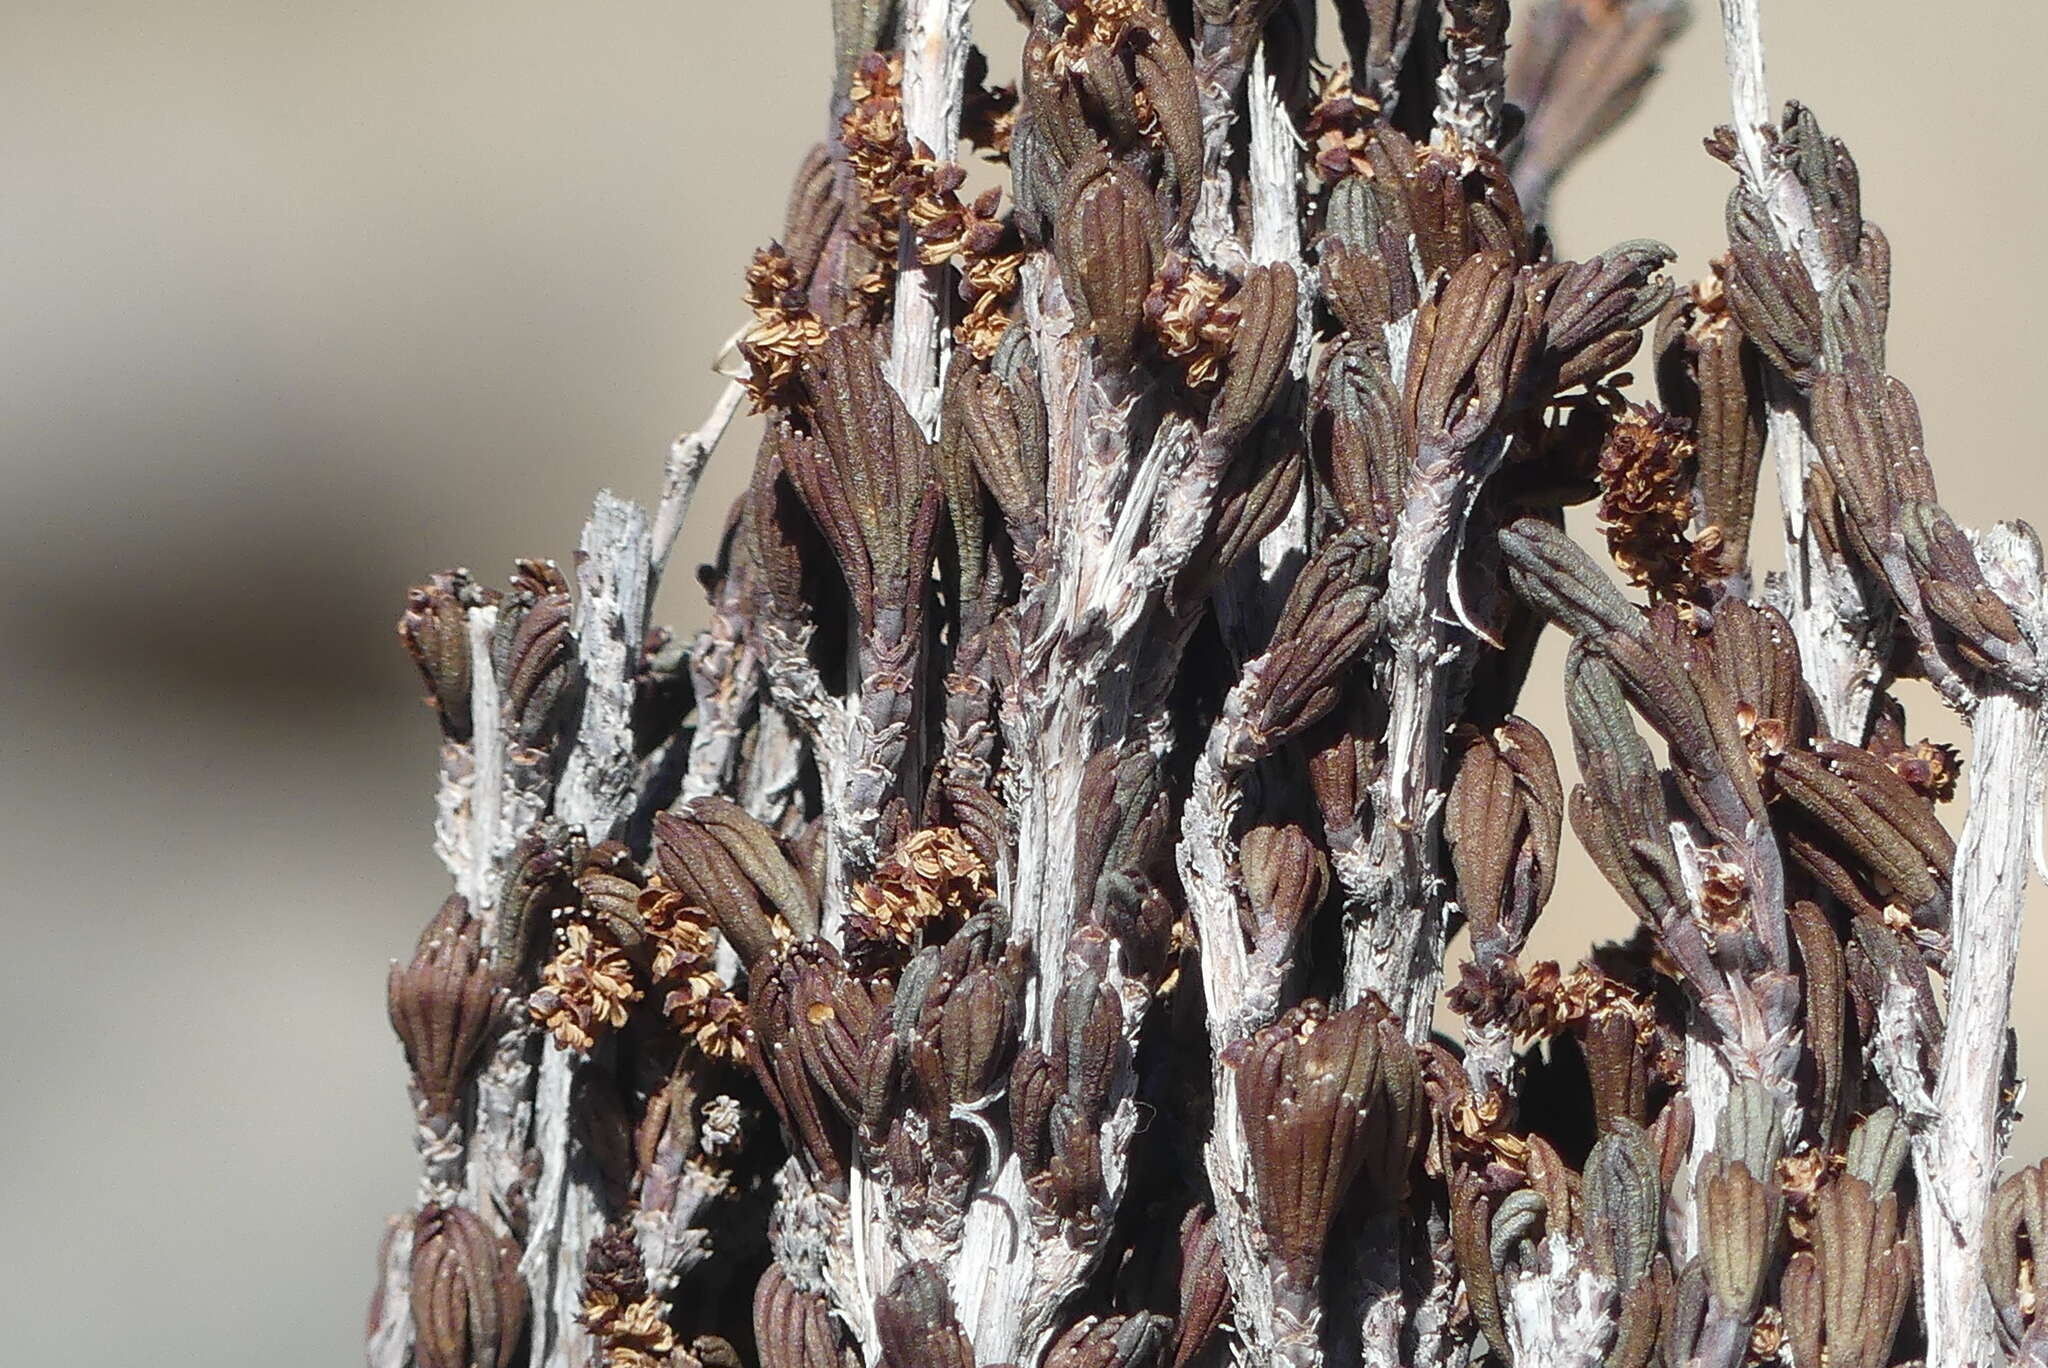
x,y
1874,836
442,1006
869,481
832,1017
1956,594
435,632
1802,1302
1133,1341
1503,821
1708,372
1071,1186
811,1027
610,884
988,423
1054,132
1866,1271
1618,1064
1286,878
1256,493
1088,1038
1323,627
1618,812
1738,1230
1355,284
1823,975
722,860
468,1300
1368,218
1361,445
1623,1204
1166,81
539,882
954,463
1259,351
1469,352
1340,772
1597,310
977,1026
781,542
1204,1286
1109,246
534,653
1306,1085
794,1329
1471,1221
1774,300
915,1322
1033,1090
1558,579
1755,659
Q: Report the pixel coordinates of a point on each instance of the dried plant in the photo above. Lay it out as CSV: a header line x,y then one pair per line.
x,y
1015,930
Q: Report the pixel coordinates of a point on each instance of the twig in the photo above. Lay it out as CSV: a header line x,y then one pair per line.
x,y
1833,611
687,457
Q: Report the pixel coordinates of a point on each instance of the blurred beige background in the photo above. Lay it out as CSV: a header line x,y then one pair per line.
x,y
299,301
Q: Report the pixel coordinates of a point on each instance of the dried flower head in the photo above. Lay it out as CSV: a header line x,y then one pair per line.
x,y
629,1323
681,972
585,988
1646,483
933,880
1188,312
1337,127
784,330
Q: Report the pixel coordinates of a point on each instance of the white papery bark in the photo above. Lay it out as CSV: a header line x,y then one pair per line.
x,y
1562,1317
935,44
1958,1149
614,561
1238,999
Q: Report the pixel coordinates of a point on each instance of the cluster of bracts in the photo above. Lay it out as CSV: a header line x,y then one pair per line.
x,y
1014,931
